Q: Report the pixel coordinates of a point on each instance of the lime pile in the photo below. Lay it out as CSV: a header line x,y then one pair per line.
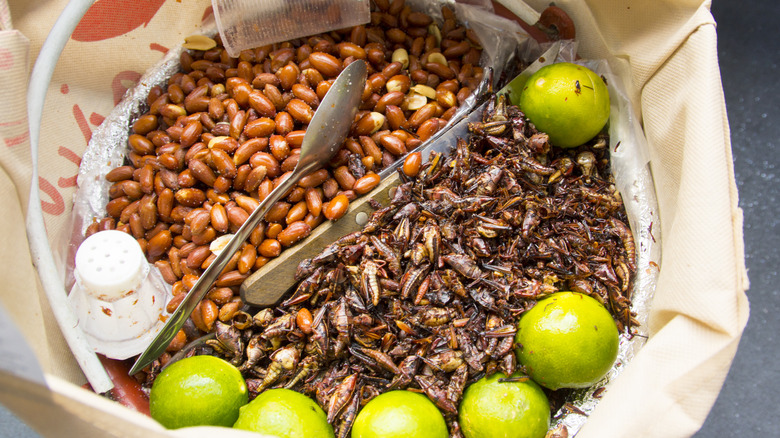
x,y
568,340
567,101
198,391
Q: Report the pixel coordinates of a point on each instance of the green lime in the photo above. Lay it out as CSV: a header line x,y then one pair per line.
x,y
198,391
567,101
567,340
286,414
400,414
493,409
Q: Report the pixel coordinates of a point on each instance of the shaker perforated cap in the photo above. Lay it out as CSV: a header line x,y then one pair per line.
x,y
110,264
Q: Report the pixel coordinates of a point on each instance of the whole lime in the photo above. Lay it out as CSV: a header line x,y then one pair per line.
x,y
284,413
400,414
567,340
494,409
198,391
567,101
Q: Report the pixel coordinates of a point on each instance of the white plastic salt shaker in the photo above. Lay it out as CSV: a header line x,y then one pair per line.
x,y
118,298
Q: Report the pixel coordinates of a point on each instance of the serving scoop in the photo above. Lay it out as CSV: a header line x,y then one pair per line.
x,y
324,136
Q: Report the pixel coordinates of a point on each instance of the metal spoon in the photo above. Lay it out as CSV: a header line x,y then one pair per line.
x,y
324,135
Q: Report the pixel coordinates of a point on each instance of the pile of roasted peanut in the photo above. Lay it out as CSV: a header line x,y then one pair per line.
x,y
225,131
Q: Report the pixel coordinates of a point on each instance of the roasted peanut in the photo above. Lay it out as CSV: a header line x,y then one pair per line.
x,y
247,259
227,144
267,160
270,248
147,209
284,123
393,144
249,148
446,98
322,89
145,124
277,212
304,320
314,179
300,110
279,147
262,104
421,115
223,163
198,220
273,230
287,76
306,94
350,145
174,302
297,212
264,189
159,244
205,237
326,64
204,315
178,342
120,173
219,218
255,177
344,177
412,164
336,207
313,199
275,96
294,232
248,203
140,144
427,129
202,172
295,138
400,83
229,310
366,183
199,255
261,127
395,98
369,123
220,295
236,216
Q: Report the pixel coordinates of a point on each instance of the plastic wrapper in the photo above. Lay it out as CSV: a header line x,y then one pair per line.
x,y
628,151
245,24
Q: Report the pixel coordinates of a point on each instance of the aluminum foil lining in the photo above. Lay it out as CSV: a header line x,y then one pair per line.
x,y
505,45
629,157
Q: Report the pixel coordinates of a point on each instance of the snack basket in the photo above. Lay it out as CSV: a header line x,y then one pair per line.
x,y
666,49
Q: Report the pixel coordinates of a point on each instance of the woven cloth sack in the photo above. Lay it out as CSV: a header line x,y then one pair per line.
x,y
668,50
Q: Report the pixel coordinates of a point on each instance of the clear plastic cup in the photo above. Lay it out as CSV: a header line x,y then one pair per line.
x,y
118,298
246,24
